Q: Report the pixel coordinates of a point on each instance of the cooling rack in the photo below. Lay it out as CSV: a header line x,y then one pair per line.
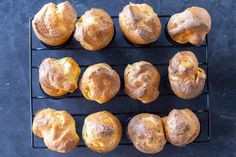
x,y
118,55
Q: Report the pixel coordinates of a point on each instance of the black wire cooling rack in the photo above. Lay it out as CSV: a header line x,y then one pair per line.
x,y
118,54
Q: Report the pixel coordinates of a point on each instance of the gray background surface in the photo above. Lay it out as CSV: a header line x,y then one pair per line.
x,y
14,93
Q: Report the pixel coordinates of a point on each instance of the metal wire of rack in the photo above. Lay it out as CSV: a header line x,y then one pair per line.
x,y
205,120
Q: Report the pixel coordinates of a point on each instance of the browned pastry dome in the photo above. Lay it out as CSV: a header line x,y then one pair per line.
x,y
59,76
187,80
54,24
190,26
139,23
102,132
141,81
57,128
99,83
94,29
146,132
181,127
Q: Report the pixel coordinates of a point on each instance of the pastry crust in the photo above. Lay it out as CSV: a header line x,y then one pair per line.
x,y
142,80
181,127
54,24
146,132
187,80
94,29
59,76
57,128
102,132
140,24
190,26
99,83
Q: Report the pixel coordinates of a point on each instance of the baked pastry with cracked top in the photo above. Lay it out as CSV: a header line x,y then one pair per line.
x,y
59,76
101,132
54,24
140,24
142,80
94,29
187,80
57,128
146,132
181,127
190,26
99,83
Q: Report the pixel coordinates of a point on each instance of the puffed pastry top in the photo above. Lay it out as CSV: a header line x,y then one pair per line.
x,y
94,29
146,132
187,80
59,76
99,83
57,128
191,26
181,127
54,24
139,23
142,80
102,131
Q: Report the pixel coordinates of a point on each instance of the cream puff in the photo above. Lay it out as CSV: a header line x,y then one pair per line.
x,y
59,76
99,83
189,26
140,24
101,132
187,80
57,129
146,133
94,29
181,127
142,80
54,24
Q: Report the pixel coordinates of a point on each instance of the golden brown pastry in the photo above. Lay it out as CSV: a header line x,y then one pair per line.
x,y
139,23
59,76
57,128
142,81
146,132
187,80
101,132
54,24
99,83
190,26
181,127
94,29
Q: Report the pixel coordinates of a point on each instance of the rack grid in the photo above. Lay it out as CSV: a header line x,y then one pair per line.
x,y
118,54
